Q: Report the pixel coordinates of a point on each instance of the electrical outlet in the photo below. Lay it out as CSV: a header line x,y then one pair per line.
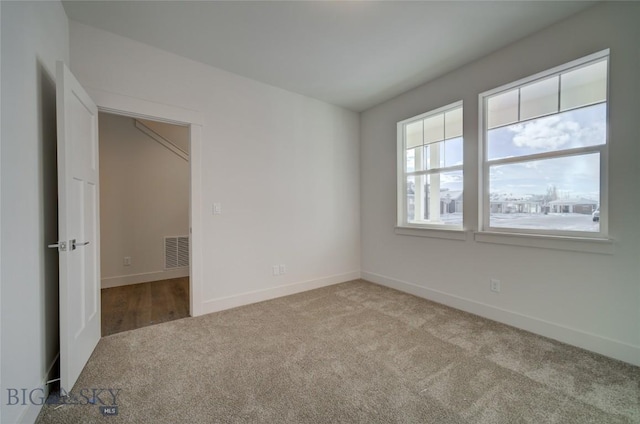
x,y
283,269
217,208
127,261
276,270
494,285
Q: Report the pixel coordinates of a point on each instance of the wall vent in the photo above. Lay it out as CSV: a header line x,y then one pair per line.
x,y
176,252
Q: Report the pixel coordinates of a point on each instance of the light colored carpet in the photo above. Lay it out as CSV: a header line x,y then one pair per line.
x,y
350,353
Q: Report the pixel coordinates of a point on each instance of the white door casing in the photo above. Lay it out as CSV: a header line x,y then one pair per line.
x,y
134,107
78,225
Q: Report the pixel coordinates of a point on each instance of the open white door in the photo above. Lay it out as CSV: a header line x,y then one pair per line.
x,y
78,225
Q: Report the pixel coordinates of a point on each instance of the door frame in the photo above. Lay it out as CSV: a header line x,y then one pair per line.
x,y
138,108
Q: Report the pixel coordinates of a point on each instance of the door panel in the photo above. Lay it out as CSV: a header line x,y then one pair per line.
x,y
78,225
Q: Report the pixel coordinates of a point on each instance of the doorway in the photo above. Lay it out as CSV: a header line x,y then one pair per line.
x,y
145,221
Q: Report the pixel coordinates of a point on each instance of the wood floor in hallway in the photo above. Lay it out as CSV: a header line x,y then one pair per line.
x,y
139,305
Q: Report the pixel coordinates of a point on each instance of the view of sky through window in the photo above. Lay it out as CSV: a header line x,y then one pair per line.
x,y
575,128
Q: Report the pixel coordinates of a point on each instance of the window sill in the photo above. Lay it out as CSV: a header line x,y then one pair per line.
x,y
575,244
441,233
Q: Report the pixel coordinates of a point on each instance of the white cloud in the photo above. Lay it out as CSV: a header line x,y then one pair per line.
x,y
576,176
550,133
448,178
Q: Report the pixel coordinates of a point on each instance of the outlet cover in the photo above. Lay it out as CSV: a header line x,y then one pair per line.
x,y
276,270
283,269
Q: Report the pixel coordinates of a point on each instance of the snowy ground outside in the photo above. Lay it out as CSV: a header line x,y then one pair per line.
x,y
534,221
451,218
552,221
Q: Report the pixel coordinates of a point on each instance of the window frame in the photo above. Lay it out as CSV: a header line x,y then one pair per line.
x,y
484,203
403,226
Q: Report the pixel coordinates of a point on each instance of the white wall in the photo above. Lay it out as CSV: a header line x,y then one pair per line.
x,y
34,36
590,300
284,167
144,196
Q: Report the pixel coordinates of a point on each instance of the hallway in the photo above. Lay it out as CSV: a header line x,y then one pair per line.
x,y
140,305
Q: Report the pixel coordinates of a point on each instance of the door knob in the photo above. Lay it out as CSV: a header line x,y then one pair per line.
x,y
61,246
75,244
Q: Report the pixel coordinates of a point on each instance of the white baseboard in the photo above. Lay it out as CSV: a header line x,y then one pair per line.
x,y
593,342
30,413
31,410
222,303
125,280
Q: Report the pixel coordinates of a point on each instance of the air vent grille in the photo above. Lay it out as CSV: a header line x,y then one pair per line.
x,y
176,252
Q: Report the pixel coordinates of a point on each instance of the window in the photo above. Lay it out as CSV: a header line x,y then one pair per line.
x,y
544,147
430,169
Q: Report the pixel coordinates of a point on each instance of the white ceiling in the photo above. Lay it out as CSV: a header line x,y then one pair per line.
x,y
354,54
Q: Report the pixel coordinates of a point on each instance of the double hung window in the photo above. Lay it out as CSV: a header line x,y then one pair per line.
x,y
430,155
544,150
